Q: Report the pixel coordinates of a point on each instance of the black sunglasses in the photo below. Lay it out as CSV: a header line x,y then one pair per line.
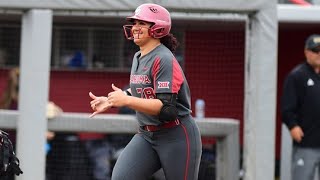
x,y
315,50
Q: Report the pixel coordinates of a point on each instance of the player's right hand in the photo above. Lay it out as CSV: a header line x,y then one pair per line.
x,y
99,104
297,133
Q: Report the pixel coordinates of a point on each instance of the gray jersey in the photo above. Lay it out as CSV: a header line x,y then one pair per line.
x,y
159,72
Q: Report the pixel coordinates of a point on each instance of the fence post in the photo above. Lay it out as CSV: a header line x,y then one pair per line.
x,y
228,156
33,96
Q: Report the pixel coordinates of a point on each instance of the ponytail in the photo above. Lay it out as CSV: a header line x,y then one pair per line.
x,y
170,42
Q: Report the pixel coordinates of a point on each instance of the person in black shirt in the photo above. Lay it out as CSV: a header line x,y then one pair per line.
x,y
300,109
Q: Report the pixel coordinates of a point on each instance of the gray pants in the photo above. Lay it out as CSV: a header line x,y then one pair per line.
x,y
177,150
304,163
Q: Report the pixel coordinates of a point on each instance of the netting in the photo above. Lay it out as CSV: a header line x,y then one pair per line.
x,y
9,44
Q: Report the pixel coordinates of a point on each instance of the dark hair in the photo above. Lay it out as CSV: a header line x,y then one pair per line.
x,y
170,42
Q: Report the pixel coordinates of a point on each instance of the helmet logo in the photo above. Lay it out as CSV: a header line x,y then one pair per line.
x,y
153,9
137,11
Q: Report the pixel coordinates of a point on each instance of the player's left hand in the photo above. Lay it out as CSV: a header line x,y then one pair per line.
x,y
117,98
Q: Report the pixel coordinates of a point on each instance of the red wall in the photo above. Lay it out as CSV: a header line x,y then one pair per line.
x,y
70,89
214,66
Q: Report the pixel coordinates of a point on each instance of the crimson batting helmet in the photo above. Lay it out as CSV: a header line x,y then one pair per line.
x,y
155,14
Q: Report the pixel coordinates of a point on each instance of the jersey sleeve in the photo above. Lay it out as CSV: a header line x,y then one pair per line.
x,y
167,75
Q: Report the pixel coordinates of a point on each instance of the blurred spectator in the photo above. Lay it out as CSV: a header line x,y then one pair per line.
x,y
53,111
9,97
99,152
300,111
9,100
78,60
207,169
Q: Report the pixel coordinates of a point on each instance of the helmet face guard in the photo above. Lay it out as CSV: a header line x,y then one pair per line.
x,y
153,32
127,29
128,32
155,14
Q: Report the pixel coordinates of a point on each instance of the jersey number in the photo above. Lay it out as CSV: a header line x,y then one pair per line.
x,y
146,93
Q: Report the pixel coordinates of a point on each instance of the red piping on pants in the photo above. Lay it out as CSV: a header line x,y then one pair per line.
x,y
188,152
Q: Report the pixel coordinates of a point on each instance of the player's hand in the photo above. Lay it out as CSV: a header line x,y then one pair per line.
x,y
117,98
297,133
99,104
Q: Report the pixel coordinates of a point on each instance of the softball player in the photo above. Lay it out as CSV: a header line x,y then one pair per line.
x,y
168,136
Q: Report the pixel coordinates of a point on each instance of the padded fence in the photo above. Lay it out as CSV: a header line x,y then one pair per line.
x,y
67,157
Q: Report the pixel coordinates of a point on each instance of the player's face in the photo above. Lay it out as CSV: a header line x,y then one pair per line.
x,y
313,57
140,31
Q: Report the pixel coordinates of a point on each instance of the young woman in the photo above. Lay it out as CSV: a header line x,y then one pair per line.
x,y
168,137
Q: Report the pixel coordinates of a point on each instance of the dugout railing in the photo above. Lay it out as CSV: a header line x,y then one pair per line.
x,y
225,130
